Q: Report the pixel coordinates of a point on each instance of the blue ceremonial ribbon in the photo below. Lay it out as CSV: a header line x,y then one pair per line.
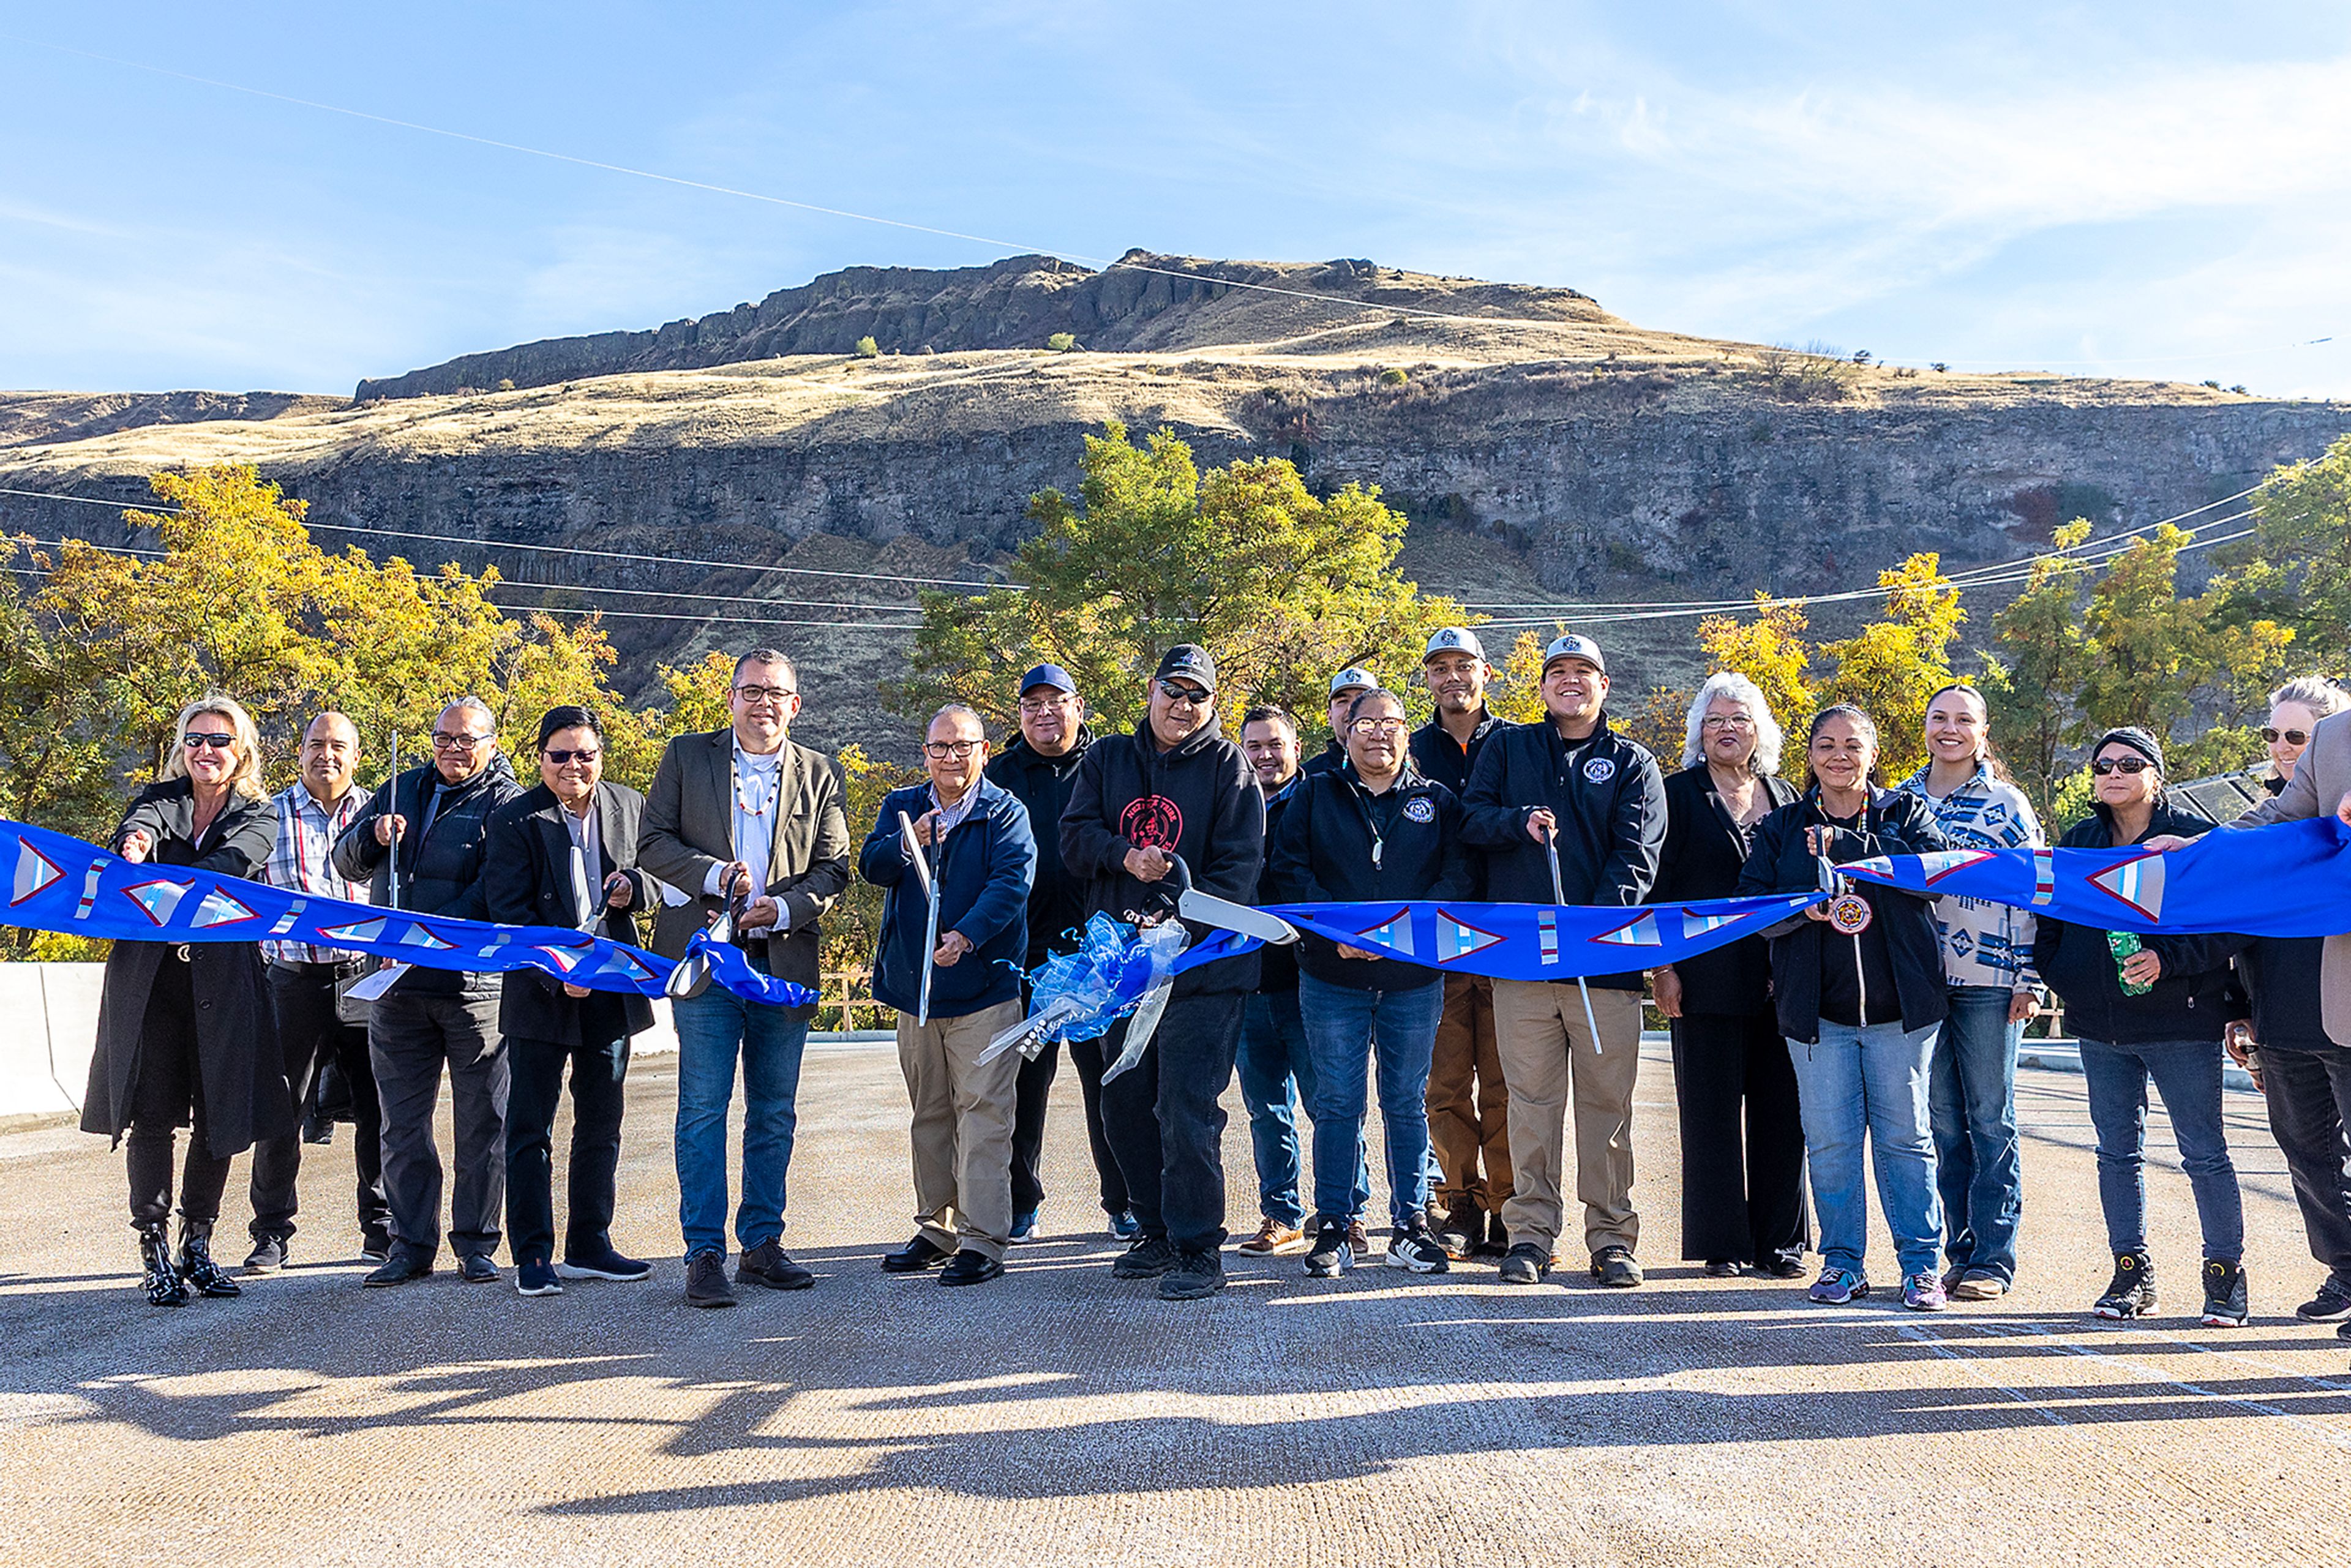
x,y
63,885
1542,941
2291,879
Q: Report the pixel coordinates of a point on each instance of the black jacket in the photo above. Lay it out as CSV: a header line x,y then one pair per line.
x,y
1329,759
527,880
1339,843
1704,854
1277,962
238,1063
2279,976
441,867
1444,760
1043,784
1812,963
2194,998
1609,798
1199,801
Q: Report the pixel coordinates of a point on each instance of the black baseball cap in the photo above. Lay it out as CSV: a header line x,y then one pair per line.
x,y
1191,662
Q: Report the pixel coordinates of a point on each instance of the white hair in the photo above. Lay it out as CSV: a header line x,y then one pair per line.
x,y
1732,686
2317,693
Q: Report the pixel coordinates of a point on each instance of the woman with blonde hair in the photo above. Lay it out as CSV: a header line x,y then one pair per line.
x,y
185,1035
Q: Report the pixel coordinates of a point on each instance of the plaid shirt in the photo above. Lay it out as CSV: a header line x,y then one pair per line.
x,y
302,860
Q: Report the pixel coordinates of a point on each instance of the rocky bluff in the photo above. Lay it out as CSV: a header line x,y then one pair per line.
x,y
1544,449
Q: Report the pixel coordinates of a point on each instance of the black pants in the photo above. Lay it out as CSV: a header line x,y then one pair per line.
x,y
598,1071
410,1039
168,1094
2309,1096
313,1035
1742,1141
1166,1123
1035,1086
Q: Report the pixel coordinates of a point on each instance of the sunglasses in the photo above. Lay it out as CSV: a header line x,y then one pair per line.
x,y
214,742
1175,693
2291,736
560,757
2131,765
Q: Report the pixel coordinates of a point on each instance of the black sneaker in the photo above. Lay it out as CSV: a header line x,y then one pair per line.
x,y
2331,1305
375,1245
1330,1256
1198,1273
2224,1294
1526,1264
1616,1267
1413,1246
2131,1292
268,1256
536,1277
1148,1258
607,1264
706,1279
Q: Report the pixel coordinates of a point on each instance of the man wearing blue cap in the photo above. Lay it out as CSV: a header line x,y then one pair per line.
x,y
1570,785
1040,769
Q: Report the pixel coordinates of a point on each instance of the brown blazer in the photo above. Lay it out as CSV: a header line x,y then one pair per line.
x,y
2321,779
689,829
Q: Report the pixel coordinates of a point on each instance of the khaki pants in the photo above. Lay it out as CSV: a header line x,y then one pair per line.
x,y
1545,1043
1468,1103
961,1127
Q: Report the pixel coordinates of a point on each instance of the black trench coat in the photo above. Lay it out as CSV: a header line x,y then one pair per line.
x,y
238,1055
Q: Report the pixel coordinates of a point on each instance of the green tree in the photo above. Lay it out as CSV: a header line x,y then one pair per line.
x,y
2040,659
1772,651
2301,574
1281,586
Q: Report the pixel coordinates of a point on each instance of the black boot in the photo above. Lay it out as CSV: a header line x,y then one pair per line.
x,y
196,1265
162,1282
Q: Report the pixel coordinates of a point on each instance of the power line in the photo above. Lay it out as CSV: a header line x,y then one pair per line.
x,y
553,550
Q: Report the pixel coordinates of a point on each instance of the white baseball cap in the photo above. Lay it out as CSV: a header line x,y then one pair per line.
x,y
1353,678
1574,645
1454,640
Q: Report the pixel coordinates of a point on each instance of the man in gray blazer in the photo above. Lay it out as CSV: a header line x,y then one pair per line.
x,y
743,813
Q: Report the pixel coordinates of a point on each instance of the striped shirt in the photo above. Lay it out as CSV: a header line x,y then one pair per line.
x,y
302,860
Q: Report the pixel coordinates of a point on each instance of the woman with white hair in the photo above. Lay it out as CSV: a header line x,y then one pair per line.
x,y
2304,1075
1742,1139
185,1034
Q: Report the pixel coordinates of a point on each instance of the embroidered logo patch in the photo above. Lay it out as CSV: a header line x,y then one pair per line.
x,y
1152,821
1599,770
1420,809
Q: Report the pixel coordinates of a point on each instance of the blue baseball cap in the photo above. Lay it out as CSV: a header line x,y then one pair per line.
x,y
1051,675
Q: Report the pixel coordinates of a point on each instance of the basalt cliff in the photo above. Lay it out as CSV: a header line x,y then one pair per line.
x,y
1545,450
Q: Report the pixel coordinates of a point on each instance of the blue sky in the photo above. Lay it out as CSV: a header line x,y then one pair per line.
x,y
2141,191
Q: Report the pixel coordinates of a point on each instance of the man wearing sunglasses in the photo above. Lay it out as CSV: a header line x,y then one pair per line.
x,y
432,823
1174,790
743,819
565,855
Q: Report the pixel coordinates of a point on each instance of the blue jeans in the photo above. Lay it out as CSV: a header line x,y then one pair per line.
x,y
2186,1073
1870,1080
1345,1028
713,1029
1277,1072
1973,1096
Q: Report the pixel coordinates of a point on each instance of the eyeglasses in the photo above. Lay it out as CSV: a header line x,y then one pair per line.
x,y
1377,727
1192,694
210,742
2291,736
560,757
943,750
764,694
442,742
1047,704
1725,721
2131,765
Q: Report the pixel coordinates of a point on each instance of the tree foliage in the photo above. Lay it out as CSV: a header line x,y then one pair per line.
x,y
1283,586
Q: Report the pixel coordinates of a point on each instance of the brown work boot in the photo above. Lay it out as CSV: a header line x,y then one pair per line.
x,y
1274,1238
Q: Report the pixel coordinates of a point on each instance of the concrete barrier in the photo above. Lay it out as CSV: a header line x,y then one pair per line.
x,y
48,1028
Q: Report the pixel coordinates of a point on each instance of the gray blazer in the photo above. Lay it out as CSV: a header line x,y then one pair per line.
x,y
689,829
2321,779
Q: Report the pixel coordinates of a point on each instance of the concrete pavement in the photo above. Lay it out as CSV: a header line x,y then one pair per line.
x,y
1060,1416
